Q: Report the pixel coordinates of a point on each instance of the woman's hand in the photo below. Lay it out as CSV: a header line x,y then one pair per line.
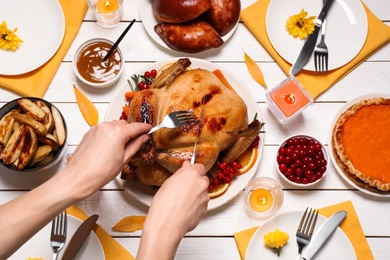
x,y
178,206
103,152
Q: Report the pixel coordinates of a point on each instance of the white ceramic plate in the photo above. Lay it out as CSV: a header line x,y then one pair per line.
x,y
337,247
346,29
149,21
145,193
339,170
39,245
41,26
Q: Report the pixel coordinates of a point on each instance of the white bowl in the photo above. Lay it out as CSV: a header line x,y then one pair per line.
x,y
108,79
302,160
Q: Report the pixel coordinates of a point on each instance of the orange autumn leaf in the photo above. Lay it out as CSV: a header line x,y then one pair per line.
x,y
222,78
130,224
255,71
87,108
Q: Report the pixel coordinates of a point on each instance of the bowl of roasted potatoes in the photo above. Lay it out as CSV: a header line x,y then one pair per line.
x,y
33,134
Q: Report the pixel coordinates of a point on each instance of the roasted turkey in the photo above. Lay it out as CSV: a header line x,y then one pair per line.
x,y
223,129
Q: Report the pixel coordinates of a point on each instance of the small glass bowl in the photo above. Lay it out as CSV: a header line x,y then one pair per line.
x,y
263,198
55,155
90,68
287,100
290,154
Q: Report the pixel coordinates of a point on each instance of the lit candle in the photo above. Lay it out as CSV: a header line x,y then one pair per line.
x,y
261,200
107,6
289,98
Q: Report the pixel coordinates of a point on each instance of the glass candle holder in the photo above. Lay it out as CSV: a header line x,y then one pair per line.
x,y
107,13
263,198
287,99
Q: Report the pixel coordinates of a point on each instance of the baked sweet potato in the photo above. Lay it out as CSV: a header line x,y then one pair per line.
x,y
178,11
191,37
223,15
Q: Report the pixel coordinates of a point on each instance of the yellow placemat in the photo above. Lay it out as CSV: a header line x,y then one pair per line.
x,y
112,249
35,83
351,227
378,35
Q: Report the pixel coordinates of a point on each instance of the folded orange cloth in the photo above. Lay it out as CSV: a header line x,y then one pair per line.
x,y
378,35
351,227
112,249
36,82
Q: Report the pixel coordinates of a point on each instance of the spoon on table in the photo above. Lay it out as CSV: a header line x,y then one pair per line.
x,y
118,41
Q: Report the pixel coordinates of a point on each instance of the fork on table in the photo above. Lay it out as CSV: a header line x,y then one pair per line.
x,y
305,229
58,233
176,119
321,52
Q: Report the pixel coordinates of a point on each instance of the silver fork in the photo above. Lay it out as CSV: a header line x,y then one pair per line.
x,y
305,229
58,233
321,52
175,119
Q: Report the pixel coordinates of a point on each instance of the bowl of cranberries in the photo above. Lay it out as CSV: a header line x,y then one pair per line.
x,y
302,160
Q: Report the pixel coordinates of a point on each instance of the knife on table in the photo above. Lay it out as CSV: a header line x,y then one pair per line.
x,y
308,47
323,233
79,237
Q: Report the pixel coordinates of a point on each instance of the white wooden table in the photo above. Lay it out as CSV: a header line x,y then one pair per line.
x,y
213,238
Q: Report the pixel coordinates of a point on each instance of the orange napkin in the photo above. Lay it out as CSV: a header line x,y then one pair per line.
x,y
112,249
378,35
36,82
351,227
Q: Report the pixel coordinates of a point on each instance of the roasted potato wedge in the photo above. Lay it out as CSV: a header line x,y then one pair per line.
x,y
48,121
32,109
29,148
49,139
59,125
41,153
29,120
6,126
14,145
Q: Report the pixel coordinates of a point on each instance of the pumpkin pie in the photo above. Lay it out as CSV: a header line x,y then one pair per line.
x,y
361,143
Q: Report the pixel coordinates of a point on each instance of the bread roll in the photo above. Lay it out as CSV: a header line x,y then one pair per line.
x,y
223,15
191,37
178,11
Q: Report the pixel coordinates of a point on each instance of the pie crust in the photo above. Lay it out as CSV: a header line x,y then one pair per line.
x,y
361,143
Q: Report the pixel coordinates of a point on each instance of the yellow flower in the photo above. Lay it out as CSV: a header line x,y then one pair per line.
x,y
276,240
8,39
300,26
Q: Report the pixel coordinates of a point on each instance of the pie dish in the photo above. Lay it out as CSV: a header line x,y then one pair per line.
x,y
361,143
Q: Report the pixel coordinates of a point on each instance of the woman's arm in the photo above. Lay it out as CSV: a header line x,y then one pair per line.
x,y
97,160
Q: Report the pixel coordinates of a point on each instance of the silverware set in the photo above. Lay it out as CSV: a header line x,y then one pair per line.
x,y
321,53
314,241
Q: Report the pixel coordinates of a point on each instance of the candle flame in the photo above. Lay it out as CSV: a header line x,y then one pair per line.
x,y
290,98
107,4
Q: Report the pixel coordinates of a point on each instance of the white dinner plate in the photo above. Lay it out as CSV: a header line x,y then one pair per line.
x,y
39,245
149,21
41,27
339,170
144,193
337,247
346,29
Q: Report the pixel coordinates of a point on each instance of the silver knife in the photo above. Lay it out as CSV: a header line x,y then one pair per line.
x,y
79,237
308,47
323,233
197,133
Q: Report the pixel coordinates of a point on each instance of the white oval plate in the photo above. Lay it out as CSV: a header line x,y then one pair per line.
x,y
149,21
339,170
337,247
41,27
144,193
346,29
39,245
